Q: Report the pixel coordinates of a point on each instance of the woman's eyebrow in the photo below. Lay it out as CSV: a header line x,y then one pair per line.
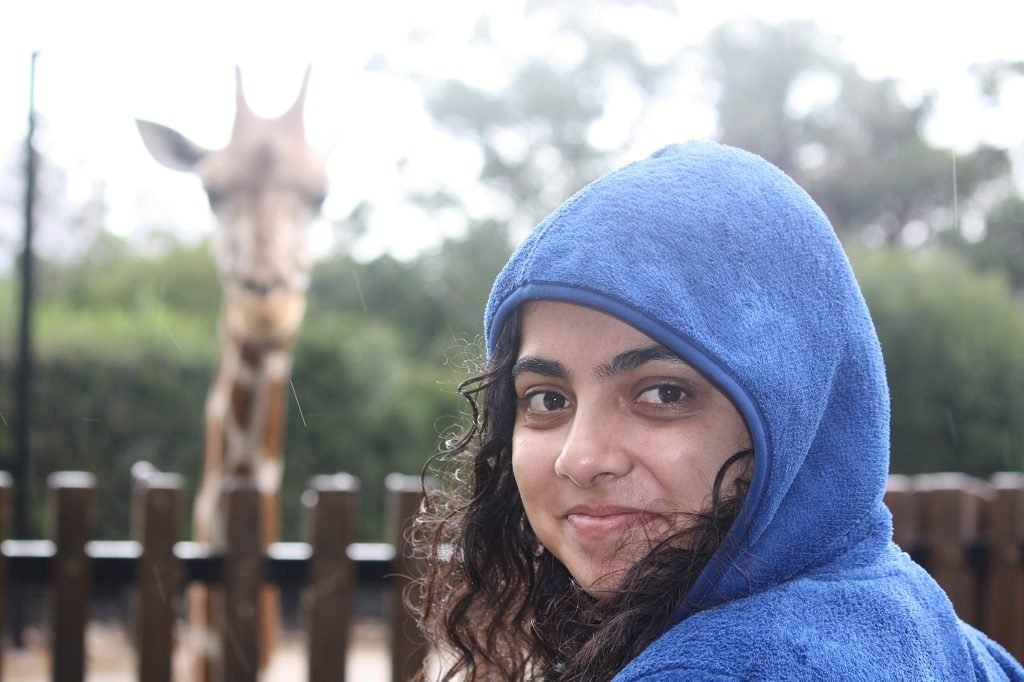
x,y
631,359
535,365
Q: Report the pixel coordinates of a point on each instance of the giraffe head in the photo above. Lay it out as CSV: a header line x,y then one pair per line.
x,y
265,188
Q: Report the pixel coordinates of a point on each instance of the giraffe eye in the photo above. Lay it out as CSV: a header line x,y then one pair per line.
x,y
316,201
216,195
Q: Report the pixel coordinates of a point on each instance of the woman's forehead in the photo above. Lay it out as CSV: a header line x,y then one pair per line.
x,y
573,324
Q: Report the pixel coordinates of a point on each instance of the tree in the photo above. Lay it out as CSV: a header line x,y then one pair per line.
x,y
992,76
535,123
386,341
1000,247
858,148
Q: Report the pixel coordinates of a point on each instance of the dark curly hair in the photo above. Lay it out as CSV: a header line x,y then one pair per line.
x,y
499,608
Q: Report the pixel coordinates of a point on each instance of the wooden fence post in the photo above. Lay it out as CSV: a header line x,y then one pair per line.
x,y
408,650
243,578
950,507
159,575
73,497
899,498
329,596
1004,582
5,521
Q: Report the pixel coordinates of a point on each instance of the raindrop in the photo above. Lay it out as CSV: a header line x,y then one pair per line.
x,y
951,424
956,206
297,403
359,290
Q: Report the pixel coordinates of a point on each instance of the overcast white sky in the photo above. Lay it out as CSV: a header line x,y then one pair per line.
x,y
104,63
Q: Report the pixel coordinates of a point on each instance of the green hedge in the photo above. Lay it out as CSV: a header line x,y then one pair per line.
x,y
953,342
365,408
377,363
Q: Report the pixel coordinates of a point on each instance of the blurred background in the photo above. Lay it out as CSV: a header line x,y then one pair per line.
x,y
452,128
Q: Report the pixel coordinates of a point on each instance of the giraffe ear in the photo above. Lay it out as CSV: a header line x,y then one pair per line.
x,y
170,147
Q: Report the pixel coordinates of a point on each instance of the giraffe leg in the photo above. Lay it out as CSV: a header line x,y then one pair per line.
x,y
269,473
204,634
204,615
271,604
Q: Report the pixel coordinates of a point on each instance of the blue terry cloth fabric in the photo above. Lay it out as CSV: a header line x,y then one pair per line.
x,y
722,258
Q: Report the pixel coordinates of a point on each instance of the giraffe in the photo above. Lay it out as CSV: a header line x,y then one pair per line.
x,y
264,187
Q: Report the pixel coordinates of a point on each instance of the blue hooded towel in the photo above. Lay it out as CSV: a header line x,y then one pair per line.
x,y
722,258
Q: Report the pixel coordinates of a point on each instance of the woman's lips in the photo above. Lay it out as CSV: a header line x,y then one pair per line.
x,y
606,520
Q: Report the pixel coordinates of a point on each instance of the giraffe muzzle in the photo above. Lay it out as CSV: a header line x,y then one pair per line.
x,y
259,288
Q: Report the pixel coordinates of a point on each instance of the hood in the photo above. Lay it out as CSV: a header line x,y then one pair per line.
x,y
719,256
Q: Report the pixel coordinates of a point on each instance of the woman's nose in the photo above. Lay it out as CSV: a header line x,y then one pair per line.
x,y
592,452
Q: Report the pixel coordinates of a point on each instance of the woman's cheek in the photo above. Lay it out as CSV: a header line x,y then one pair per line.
x,y
533,461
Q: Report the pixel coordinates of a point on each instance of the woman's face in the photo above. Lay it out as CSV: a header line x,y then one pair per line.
x,y
614,436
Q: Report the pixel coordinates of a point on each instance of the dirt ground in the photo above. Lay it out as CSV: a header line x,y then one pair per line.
x,y
111,658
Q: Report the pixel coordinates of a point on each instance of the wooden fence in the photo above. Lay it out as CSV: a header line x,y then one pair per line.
x,y
967,532
328,569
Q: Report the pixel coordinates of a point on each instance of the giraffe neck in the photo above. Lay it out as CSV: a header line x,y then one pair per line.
x,y
253,399
245,418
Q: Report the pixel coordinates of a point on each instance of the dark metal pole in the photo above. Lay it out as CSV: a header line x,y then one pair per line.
x,y
23,473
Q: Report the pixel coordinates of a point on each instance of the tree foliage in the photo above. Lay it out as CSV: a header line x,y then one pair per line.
x,y
951,337
535,124
127,342
855,144
1001,246
953,342
122,372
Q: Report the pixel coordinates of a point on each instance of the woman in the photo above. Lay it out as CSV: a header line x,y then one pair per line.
x,y
678,466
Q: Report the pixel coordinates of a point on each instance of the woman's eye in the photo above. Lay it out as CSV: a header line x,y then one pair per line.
x,y
663,394
545,401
